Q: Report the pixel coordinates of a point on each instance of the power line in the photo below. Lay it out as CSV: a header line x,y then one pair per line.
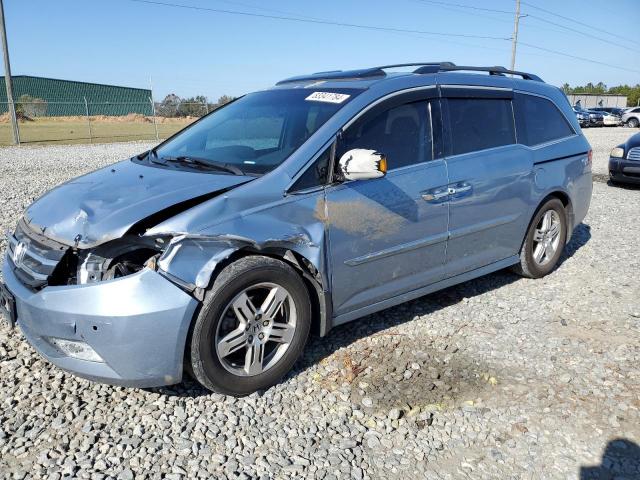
x,y
471,7
541,19
377,28
581,32
573,20
265,9
459,8
317,21
577,58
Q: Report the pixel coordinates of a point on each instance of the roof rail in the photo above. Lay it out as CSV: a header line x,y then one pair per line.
x,y
497,70
337,75
418,64
423,67
357,74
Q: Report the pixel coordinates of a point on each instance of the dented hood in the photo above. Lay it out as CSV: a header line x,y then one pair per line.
x,y
104,204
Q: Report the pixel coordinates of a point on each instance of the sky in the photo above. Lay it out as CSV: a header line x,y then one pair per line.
x,y
195,51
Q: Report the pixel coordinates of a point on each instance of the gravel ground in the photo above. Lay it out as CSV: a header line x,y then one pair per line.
x,y
500,377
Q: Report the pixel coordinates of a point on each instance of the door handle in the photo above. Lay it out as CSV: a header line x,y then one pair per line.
x,y
435,195
461,189
442,193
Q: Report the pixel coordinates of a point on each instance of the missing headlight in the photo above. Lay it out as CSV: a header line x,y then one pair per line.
x,y
91,269
96,268
127,264
122,257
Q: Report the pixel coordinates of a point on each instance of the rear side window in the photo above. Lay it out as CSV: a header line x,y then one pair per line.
x,y
480,123
538,120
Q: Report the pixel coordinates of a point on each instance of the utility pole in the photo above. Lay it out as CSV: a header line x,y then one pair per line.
x,y
514,39
7,79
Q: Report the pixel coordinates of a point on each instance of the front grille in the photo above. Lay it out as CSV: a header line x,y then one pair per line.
x,y
34,256
634,154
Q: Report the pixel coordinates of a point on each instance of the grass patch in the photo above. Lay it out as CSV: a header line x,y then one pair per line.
x,y
52,131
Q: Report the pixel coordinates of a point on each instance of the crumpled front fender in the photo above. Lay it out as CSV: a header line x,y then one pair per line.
x,y
193,258
292,227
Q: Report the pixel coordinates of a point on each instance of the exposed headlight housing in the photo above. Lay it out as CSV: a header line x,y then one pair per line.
x,y
118,259
617,152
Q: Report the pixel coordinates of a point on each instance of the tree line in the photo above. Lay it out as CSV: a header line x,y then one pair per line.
x,y
174,106
632,92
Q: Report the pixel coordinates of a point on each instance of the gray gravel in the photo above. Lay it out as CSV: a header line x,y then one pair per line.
x,y
500,377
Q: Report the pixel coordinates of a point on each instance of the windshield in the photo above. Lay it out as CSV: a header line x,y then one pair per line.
x,y
257,132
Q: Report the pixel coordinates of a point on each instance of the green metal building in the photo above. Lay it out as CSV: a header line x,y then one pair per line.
x,y
52,97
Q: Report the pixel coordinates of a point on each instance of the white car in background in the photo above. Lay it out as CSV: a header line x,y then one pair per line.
x,y
611,119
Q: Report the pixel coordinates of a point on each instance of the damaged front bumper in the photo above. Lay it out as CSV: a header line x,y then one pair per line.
x,y
129,331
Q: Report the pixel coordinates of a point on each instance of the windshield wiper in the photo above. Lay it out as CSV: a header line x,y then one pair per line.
x,y
206,163
151,155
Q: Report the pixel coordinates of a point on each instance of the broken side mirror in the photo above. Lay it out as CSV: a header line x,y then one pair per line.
x,y
362,164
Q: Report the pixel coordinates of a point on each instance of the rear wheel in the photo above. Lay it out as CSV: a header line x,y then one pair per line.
x,y
545,240
252,328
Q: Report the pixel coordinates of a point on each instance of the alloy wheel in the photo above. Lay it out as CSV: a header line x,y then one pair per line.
x,y
256,329
546,237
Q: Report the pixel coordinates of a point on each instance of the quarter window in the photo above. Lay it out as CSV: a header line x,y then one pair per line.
x,y
316,174
480,123
402,133
538,120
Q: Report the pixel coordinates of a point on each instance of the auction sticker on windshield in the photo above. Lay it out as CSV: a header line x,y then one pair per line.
x,y
328,97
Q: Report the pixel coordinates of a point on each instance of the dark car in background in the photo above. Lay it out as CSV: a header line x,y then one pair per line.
x,y
596,119
624,161
582,117
615,110
589,118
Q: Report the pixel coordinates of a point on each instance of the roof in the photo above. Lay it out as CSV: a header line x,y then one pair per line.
x,y
376,74
17,77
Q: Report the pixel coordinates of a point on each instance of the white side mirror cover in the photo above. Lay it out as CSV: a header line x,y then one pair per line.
x,y
362,164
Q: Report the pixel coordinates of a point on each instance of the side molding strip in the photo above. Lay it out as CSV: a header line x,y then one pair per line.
x,y
432,240
478,227
405,247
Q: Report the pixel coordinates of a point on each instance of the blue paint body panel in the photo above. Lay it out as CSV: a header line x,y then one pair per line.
x,y
365,245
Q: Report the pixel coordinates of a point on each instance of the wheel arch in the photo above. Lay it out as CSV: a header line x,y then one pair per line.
x,y
320,297
564,197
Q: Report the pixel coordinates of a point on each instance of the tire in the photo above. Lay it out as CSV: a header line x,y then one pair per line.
x,y
225,366
633,123
529,265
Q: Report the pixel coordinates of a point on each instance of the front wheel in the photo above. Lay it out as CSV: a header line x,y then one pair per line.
x,y
633,122
545,240
252,327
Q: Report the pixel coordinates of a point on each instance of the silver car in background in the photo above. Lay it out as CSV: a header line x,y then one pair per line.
x,y
631,117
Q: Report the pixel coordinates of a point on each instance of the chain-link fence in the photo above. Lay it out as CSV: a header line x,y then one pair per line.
x,y
41,121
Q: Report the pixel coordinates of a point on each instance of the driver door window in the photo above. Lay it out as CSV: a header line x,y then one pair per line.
x,y
402,133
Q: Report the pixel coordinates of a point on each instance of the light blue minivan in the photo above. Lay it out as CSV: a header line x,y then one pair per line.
x,y
301,207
